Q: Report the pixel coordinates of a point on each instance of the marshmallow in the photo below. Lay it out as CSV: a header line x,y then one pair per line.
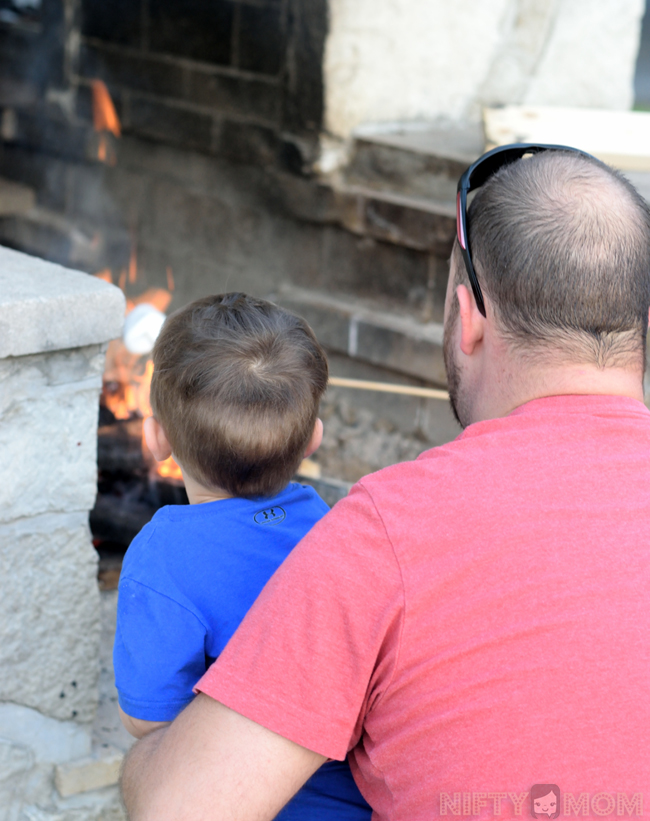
x,y
141,328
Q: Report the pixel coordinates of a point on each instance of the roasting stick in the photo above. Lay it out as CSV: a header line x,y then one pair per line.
x,y
387,387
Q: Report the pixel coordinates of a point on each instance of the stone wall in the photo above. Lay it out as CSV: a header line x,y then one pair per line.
x,y
227,77
54,326
427,59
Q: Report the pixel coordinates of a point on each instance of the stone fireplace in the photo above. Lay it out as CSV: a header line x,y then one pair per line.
x,y
55,325
302,150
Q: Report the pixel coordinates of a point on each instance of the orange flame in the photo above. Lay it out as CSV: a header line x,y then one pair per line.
x,y
104,115
133,264
102,149
127,376
158,297
106,275
169,469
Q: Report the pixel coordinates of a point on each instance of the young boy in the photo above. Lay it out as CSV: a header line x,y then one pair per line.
x,y
235,393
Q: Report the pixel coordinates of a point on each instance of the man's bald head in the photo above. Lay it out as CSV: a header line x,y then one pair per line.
x,y
561,247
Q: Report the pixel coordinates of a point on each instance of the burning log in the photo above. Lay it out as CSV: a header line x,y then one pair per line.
x,y
129,489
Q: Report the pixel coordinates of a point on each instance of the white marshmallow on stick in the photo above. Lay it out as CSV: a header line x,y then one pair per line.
x,y
141,328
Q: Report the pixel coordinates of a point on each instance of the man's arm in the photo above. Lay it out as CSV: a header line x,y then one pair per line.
x,y
212,763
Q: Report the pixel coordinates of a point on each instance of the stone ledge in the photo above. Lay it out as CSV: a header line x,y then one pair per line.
x,y
45,307
422,163
91,773
419,224
346,325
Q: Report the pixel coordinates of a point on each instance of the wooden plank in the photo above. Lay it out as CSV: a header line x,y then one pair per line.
x,y
619,138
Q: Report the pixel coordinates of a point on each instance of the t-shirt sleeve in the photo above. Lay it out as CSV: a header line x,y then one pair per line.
x,y
317,651
159,653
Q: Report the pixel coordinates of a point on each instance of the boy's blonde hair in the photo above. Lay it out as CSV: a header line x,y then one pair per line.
x,y
236,387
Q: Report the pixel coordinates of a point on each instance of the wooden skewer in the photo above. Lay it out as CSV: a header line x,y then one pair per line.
x,y
387,387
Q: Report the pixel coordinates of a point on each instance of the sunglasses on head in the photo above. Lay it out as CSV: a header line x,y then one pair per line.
x,y
474,177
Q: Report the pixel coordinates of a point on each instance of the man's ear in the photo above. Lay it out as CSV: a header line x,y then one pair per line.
x,y
156,439
316,439
472,321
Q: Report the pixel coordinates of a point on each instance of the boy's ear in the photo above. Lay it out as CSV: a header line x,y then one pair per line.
x,y
156,439
316,439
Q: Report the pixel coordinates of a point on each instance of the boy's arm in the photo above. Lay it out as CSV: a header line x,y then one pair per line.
x,y
138,727
158,656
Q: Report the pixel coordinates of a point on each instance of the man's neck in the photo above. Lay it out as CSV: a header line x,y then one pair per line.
x,y
520,386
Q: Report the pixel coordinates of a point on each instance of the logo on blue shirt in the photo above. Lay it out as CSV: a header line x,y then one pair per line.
x,y
270,516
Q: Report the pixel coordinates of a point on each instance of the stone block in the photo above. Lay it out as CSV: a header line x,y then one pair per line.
x,y
91,773
404,221
15,198
49,132
260,38
36,237
50,616
330,324
48,431
244,96
91,195
95,808
48,739
420,163
367,267
45,307
394,342
400,345
248,143
148,73
307,28
15,763
45,174
170,123
195,223
305,199
119,21
195,29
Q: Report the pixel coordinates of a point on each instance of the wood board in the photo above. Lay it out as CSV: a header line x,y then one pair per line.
x,y
619,138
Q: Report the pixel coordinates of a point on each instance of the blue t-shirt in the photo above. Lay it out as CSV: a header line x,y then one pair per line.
x,y
188,579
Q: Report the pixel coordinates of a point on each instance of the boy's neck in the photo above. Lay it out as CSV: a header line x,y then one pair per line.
x,y
198,493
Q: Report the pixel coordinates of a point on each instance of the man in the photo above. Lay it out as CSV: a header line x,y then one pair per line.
x,y
472,624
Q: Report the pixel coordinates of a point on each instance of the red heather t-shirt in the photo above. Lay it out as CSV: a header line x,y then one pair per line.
x,y
472,623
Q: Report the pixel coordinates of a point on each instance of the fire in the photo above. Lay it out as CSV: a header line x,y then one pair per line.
x,y
169,469
133,264
127,379
104,115
102,149
105,121
127,376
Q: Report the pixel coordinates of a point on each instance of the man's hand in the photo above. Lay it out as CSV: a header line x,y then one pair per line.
x,y
212,763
